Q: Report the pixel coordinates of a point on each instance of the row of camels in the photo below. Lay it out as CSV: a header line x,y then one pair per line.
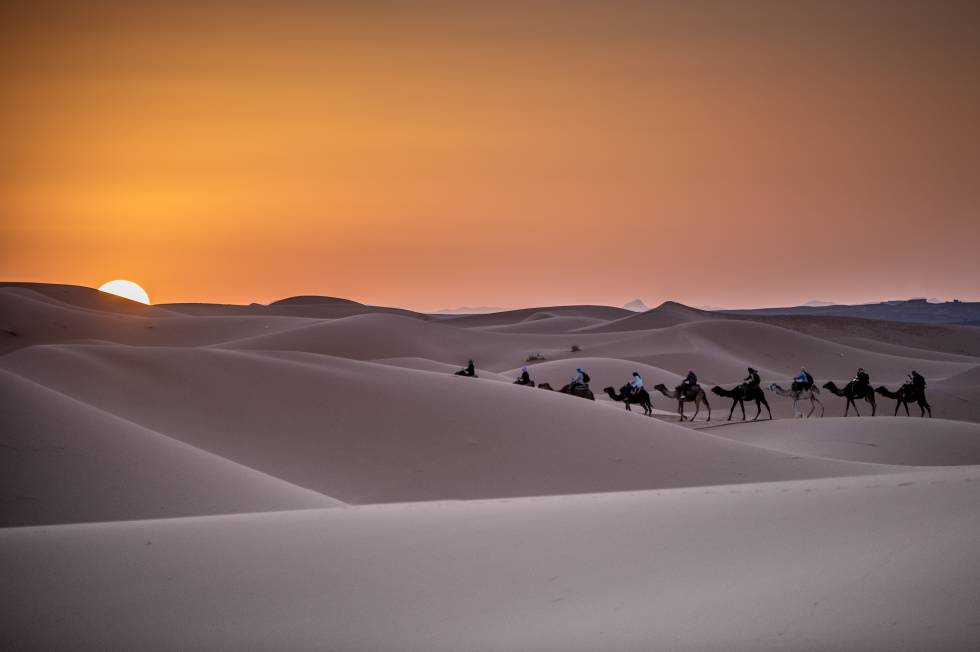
x,y
742,394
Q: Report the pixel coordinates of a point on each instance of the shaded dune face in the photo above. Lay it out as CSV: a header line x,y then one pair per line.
x,y
319,463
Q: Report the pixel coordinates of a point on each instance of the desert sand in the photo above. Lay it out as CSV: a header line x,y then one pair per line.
x,y
311,475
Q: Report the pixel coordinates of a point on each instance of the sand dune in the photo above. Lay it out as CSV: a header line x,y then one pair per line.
x,y
507,317
362,432
63,461
549,324
885,563
947,338
27,320
888,440
553,523
664,315
82,297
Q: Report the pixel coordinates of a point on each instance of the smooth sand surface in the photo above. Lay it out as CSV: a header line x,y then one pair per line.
x,y
885,563
65,461
172,466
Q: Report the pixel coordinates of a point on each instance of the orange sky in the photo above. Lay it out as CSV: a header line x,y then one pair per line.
x,y
504,154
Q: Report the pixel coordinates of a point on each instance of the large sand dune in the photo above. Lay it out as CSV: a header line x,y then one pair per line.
x,y
65,461
885,564
172,464
362,432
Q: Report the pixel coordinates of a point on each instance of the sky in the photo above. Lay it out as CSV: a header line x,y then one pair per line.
x,y
434,155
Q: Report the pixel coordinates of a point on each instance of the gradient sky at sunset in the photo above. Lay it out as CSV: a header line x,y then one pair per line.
x,y
432,155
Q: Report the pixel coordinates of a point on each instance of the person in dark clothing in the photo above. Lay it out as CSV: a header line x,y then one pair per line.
x,y
470,370
752,380
861,379
917,381
690,382
525,377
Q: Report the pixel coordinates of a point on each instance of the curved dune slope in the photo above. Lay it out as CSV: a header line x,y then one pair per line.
x,y
26,320
883,564
506,317
62,461
364,432
86,298
667,314
550,324
882,440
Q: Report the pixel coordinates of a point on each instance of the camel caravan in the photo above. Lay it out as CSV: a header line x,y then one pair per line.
x,y
803,389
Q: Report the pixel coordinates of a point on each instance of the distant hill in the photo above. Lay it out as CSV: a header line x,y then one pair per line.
x,y
466,310
911,310
636,305
816,303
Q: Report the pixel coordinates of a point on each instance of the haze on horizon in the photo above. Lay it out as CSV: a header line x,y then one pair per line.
x,y
433,155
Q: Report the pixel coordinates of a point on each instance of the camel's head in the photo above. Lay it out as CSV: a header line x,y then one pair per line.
x,y
881,389
717,390
772,387
660,386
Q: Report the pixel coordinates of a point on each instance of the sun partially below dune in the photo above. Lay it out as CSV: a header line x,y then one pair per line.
x,y
127,290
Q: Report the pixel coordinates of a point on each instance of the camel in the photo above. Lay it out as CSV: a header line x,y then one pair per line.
x,y
744,393
906,394
695,395
852,392
582,391
641,398
796,396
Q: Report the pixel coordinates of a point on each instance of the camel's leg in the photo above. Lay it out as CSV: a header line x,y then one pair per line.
x,y
812,408
874,406
924,404
905,403
758,410
766,403
820,403
732,411
697,409
707,407
680,409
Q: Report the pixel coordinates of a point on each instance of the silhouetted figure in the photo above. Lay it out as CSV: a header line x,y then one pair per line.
x,y
914,391
752,381
861,381
917,381
689,384
524,378
470,370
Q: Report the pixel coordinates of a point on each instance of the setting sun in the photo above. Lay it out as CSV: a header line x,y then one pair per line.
x,y
126,290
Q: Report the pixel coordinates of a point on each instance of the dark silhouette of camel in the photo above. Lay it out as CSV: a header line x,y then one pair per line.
x,y
694,395
906,394
744,393
853,392
641,398
582,391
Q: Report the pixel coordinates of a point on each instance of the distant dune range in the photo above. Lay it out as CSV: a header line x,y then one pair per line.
x,y
311,474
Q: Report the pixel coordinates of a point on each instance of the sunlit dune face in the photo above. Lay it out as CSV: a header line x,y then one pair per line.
x,y
127,290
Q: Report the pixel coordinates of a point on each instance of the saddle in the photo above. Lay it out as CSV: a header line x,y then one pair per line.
x,y
688,392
